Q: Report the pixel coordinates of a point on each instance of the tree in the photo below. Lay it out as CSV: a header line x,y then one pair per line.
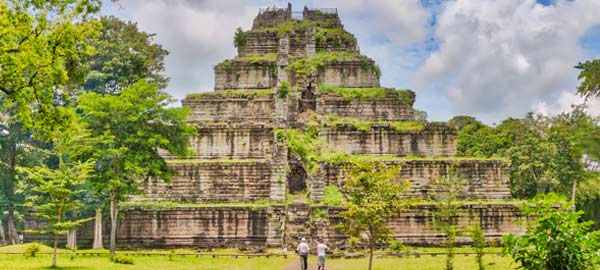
x,y
447,191
556,239
125,55
43,49
55,187
373,193
590,73
135,125
17,149
239,38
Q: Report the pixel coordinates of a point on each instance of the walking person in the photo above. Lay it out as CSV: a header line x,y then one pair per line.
x,y
302,250
321,250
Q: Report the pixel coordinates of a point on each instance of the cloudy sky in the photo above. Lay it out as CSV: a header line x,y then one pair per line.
x,y
489,59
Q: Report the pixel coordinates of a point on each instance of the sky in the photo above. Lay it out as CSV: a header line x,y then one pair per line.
x,y
490,59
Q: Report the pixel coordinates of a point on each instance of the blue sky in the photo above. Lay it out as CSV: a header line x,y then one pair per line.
x,y
491,59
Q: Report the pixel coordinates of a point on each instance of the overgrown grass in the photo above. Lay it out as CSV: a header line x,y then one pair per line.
x,y
233,93
405,95
365,125
157,262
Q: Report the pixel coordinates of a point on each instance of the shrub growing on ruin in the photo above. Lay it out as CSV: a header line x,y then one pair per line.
x,y
239,38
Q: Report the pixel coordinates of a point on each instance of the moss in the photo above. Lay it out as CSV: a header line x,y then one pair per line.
x,y
170,204
406,125
227,64
406,96
256,59
233,94
218,160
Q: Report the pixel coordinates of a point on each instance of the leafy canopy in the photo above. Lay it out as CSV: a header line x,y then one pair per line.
x,y
556,239
43,49
137,125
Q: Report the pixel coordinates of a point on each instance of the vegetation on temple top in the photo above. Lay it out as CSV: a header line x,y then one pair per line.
x,y
335,36
233,93
304,66
407,96
332,120
239,38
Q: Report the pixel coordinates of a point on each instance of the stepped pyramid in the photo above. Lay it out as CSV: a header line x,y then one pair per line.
x,y
294,69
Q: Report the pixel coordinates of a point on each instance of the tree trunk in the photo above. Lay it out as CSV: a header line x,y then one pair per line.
x,y
98,230
370,254
13,235
72,238
2,235
55,250
113,226
574,190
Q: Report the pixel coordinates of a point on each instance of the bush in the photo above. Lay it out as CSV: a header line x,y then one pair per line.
x,y
556,240
32,250
121,260
239,39
396,246
332,196
283,89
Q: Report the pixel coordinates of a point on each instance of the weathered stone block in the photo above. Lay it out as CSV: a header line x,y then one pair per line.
x,y
383,139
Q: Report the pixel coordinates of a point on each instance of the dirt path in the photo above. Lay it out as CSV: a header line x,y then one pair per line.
x,y
312,265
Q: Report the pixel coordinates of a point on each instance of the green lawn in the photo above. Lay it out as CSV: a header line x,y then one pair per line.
x,y
156,262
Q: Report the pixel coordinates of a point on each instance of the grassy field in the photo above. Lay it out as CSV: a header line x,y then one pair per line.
x,y
156,262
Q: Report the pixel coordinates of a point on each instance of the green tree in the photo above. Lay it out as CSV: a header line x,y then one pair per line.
x,y
17,149
136,125
373,193
55,187
239,38
447,191
556,239
479,244
42,50
590,73
125,55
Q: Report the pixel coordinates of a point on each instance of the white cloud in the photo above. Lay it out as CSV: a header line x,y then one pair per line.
x,y
505,57
198,34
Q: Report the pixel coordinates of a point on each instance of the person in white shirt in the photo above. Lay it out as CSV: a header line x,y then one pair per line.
x,y
321,249
303,250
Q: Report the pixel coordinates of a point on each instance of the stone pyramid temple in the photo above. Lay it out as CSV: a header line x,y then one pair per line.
x,y
244,187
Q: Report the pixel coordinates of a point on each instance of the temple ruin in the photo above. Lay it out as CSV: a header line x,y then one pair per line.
x,y
292,68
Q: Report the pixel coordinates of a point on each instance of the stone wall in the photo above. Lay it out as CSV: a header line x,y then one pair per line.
x,y
270,17
389,108
194,227
485,179
246,75
233,141
214,107
213,181
383,139
259,43
350,73
275,226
